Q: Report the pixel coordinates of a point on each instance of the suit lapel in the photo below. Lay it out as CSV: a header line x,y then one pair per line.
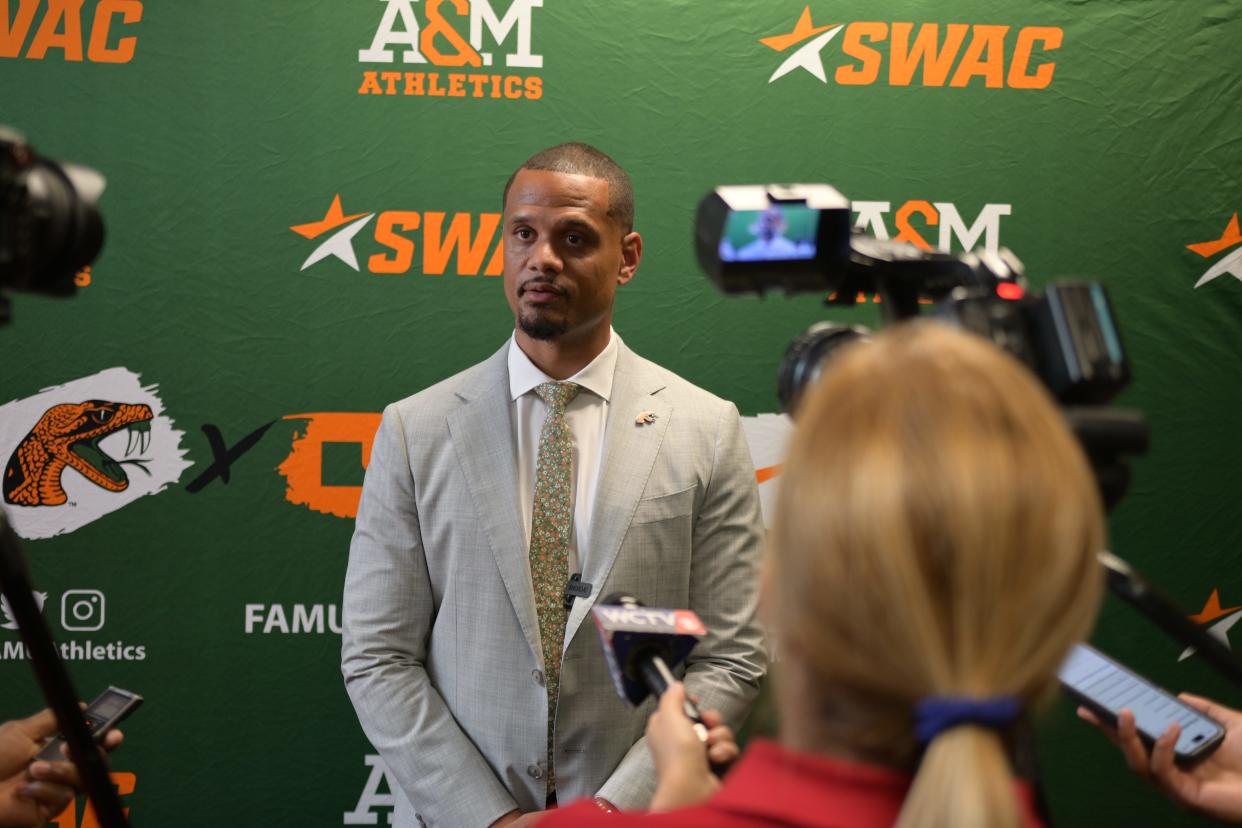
x,y
482,434
629,454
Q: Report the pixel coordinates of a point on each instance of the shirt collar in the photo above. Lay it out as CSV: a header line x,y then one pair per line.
x,y
596,377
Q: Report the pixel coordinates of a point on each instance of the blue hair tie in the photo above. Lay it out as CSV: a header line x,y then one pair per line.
x,y
936,714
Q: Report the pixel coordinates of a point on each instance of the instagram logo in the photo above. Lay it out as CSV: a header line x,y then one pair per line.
x,y
82,610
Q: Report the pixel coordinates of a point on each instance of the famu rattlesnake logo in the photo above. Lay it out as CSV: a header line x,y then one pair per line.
x,y
75,452
68,436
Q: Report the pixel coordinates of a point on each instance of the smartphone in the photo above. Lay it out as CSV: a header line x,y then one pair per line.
x,y
1106,687
103,714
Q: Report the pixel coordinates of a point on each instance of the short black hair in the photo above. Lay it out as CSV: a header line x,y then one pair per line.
x,y
576,158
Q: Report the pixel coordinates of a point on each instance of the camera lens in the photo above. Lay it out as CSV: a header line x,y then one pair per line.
x,y
49,225
60,232
805,357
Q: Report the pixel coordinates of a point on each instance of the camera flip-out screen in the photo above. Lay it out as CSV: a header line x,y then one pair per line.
x,y
780,233
754,237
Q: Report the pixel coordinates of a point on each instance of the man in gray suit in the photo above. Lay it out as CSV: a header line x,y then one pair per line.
x,y
484,494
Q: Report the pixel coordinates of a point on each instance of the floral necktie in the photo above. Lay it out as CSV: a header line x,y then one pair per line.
x,y
551,519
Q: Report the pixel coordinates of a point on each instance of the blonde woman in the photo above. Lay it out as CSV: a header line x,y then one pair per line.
x,y
931,561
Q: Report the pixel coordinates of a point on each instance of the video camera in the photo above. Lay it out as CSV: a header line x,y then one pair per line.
x,y
49,225
800,238
49,229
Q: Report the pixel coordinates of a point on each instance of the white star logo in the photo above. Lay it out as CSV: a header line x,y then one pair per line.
x,y
1231,264
341,243
808,55
1225,620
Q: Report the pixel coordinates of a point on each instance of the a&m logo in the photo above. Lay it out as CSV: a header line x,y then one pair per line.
x,y
929,54
469,38
377,798
1232,263
914,219
429,240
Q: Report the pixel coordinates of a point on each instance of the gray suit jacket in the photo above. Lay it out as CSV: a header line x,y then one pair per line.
x,y
441,652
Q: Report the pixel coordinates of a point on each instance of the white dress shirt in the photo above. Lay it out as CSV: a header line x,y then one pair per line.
x,y
586,415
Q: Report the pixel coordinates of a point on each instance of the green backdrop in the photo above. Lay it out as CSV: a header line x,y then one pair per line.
x,y
1095,139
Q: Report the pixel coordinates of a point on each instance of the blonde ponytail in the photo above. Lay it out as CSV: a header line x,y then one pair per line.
x,y
935,535
964,781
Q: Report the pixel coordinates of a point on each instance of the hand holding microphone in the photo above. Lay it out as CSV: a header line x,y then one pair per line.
x,y
682,766
33,792
641,645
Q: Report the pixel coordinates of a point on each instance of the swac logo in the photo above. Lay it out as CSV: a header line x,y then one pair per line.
x,y
987,53
443,238
439,42
340,243
1231,264
1221,619
62,28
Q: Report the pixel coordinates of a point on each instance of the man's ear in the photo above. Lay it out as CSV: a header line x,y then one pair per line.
x,y
631,255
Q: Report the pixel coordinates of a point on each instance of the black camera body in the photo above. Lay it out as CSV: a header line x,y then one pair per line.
x,y
1067,336
49,225
799,237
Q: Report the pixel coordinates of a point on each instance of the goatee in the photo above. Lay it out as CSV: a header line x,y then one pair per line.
x,y
539,327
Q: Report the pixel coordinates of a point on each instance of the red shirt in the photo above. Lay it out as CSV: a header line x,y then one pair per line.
x,y
771,785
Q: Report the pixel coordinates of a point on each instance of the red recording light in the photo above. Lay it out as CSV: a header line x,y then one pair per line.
x,y
1010,290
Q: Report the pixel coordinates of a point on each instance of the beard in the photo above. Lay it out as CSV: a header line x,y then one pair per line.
x,y
537,326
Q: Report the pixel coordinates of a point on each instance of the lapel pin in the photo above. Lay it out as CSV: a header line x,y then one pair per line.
x,y
645,418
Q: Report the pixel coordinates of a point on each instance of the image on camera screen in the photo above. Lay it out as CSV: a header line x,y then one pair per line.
x,y
779,233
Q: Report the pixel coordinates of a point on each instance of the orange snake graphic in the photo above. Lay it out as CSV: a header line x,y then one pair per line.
x,y
69,435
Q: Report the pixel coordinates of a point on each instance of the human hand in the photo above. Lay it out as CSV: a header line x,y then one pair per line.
x,y
506,819
32,795
516,819
679,755
722,749
1213,787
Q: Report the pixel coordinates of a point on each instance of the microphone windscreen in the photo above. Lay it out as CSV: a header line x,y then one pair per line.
x,y
630,633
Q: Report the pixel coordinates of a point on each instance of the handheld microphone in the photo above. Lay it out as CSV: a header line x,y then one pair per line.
x,y
641,644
